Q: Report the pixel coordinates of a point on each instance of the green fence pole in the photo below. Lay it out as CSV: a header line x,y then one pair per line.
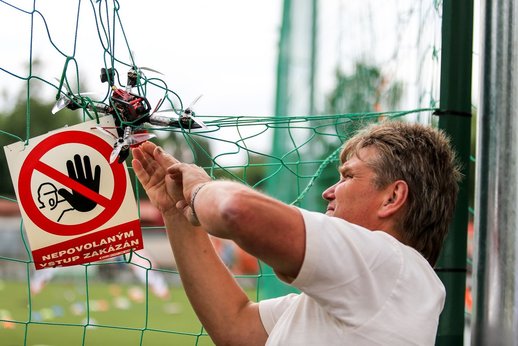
x,y
282,184
455,119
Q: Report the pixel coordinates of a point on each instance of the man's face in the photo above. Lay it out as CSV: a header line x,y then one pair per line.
x,y
355,198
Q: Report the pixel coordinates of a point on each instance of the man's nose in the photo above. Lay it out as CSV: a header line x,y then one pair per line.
x,y
329,193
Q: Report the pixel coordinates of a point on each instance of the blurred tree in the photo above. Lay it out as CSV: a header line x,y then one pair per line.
x,y
365,90
27,120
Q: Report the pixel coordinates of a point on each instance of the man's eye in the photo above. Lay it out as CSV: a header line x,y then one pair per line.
x,y
346,177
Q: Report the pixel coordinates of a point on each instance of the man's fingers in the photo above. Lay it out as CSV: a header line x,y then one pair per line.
x,y
146,159
141,166
175,171
138,169
164,159
148,147
137,153
194,173
152,156
187,212
173,189
183,207
176,168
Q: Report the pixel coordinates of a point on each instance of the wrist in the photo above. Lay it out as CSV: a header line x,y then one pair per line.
x,y
194,194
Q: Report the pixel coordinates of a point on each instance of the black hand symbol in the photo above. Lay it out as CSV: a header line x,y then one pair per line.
x,y
84,177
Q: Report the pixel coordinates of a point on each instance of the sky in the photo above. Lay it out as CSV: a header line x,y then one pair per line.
x,y
225,50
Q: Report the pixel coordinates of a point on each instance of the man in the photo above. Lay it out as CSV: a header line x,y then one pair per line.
x,y
364,268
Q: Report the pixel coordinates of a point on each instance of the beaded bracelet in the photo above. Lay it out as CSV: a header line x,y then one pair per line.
x,y
193,196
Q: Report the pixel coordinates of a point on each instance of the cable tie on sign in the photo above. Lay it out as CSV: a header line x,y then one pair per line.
x,y
440,112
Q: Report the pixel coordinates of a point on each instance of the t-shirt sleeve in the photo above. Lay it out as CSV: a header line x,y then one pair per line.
x,y
271,310
347,269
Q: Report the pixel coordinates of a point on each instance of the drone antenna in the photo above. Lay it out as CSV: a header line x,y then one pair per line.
x,y
157,106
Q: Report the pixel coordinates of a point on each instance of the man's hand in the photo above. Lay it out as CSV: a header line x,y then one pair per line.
x,y
189,178
84,176
150,164
168,182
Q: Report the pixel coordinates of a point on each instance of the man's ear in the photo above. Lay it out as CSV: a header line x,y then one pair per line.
x,y
395,199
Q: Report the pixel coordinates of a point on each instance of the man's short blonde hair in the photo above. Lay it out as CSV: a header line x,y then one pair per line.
x,y
421,156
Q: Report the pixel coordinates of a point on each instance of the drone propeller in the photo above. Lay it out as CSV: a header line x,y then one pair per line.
x,y
105,131
116,151
61,103
137,138
122,145
65,84
193,103
199,122
133,74
66,99
190,113
150,70
169,117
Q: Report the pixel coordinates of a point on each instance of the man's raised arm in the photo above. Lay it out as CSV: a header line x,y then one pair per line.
x,y
219,302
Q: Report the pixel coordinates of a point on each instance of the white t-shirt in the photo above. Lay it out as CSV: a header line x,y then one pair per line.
x,y
359,287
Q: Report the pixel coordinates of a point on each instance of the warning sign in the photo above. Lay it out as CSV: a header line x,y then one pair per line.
x,y
76,206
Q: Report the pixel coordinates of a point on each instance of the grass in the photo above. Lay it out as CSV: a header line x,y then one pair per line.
x,y
82,313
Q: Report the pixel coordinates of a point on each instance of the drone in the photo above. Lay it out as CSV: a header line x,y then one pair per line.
x,y
129,111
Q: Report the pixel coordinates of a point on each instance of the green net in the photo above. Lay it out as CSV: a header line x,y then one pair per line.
x,y
364,74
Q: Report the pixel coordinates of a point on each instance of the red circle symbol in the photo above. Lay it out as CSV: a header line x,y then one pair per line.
x,y
33,163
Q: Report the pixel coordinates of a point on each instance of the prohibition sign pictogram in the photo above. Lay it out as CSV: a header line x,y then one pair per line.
x,y
34,163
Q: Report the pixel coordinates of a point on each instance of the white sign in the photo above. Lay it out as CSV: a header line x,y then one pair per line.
x,y
76,206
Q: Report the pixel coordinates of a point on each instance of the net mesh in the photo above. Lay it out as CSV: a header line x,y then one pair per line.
x,y
365,73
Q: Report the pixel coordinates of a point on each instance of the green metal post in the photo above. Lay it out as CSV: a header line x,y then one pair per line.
x,y
282,184
270,286
455,103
